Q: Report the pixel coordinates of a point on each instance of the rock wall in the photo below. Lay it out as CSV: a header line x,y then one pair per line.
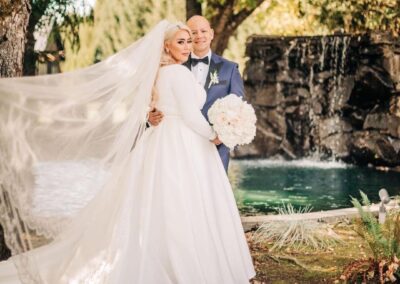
x,y
335,96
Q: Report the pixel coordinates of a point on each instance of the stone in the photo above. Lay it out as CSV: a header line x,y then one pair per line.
x,y
292,76
292,100
376,121
383,121
381,38
337,94
318,91
394,126
396,145
373,148
394,108
254,74
337,144
268,96
246,151
375,73
371,88
271,117
317,107
291,109
267,142
323,76
302,92
391,64
341,94
333,125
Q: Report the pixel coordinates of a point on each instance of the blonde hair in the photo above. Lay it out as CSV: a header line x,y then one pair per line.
x,y
166,58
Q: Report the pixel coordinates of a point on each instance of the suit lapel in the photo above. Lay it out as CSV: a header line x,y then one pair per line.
x,y
215,66
188,63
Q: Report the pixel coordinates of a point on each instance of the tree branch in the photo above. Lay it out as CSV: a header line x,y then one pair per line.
x,y
243,14
225,21
222,17
193,7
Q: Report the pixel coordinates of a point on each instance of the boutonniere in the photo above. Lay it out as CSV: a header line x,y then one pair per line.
x,y
213,78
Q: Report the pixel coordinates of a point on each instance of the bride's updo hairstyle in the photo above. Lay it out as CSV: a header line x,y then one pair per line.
x,y
166,58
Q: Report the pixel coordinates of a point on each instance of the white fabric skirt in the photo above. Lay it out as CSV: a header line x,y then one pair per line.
x,y
170,217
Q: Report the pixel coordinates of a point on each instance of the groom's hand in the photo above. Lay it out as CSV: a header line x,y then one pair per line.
x,y
155,117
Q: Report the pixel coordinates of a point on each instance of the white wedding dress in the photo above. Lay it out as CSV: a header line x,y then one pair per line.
x,y
177,220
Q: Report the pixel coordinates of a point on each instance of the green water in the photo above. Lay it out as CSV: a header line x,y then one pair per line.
x,y
260,186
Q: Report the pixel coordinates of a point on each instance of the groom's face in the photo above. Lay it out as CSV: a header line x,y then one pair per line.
x,y
202,35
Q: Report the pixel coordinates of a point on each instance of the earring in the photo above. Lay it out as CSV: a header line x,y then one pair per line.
x,y
167,50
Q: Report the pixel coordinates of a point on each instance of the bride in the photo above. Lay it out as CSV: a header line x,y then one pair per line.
x,y
116,202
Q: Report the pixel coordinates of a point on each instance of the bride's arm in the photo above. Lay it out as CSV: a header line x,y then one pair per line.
x,y
183,87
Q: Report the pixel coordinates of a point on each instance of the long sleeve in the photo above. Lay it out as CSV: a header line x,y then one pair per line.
x,y
236,87
184,89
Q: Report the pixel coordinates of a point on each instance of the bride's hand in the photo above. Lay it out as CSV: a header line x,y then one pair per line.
x,y
155,117
216,141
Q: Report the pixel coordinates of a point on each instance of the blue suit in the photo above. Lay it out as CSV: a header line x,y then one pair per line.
x,y
230,82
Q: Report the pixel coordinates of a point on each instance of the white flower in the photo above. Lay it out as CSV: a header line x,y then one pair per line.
x,y
213,78
234,120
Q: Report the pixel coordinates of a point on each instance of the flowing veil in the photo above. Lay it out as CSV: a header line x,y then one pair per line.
x,y
64,140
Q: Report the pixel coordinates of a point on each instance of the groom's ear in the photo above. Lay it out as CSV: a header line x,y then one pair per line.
x,y
212,33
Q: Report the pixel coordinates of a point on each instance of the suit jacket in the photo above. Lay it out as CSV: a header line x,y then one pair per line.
x,y
229,82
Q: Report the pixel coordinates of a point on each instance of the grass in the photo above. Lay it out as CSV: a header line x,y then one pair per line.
x,y
308,265
296,232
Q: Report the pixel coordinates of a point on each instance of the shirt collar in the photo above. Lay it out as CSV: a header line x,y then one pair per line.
x,y
192,55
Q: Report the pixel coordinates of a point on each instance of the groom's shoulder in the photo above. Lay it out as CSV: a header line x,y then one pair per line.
x,y
228,62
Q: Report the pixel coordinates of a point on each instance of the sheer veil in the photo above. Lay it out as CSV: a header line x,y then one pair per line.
x,y
63,142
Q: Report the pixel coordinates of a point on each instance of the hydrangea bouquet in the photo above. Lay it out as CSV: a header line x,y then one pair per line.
x,y
234,120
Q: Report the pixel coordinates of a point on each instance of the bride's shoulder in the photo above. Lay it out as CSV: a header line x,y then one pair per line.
x,y
175,69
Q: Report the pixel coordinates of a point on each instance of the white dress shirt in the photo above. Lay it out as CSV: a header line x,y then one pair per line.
x,y
200,71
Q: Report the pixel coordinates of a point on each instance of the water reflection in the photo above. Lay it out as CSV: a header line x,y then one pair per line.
x,y
261,186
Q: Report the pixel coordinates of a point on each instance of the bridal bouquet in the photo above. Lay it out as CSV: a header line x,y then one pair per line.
x,y
234,120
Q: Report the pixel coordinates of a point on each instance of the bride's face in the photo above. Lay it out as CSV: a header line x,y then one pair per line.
x,y
180,46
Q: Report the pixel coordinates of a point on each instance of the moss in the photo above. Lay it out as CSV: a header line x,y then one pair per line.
x,y
305,265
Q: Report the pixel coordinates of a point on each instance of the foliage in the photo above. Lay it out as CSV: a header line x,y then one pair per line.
x,y
212,7
67,15
384,242
225,17
273,18
371,271
119,22
383,239
293,231
357,15
51,16
314,17
116,24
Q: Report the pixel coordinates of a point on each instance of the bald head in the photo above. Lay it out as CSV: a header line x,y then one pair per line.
x,y
202,34
197,19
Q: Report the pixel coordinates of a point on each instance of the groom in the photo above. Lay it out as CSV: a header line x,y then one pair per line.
x,y
218,75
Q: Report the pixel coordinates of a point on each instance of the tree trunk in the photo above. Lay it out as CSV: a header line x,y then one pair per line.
x,y
5,252
30,56
221,39
14,16
193,7
13,27
226,21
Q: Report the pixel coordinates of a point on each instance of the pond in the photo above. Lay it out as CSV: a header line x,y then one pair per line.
x,y
261,186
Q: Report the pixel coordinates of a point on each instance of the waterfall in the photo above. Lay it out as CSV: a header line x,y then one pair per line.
x,y
338,56
334,96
